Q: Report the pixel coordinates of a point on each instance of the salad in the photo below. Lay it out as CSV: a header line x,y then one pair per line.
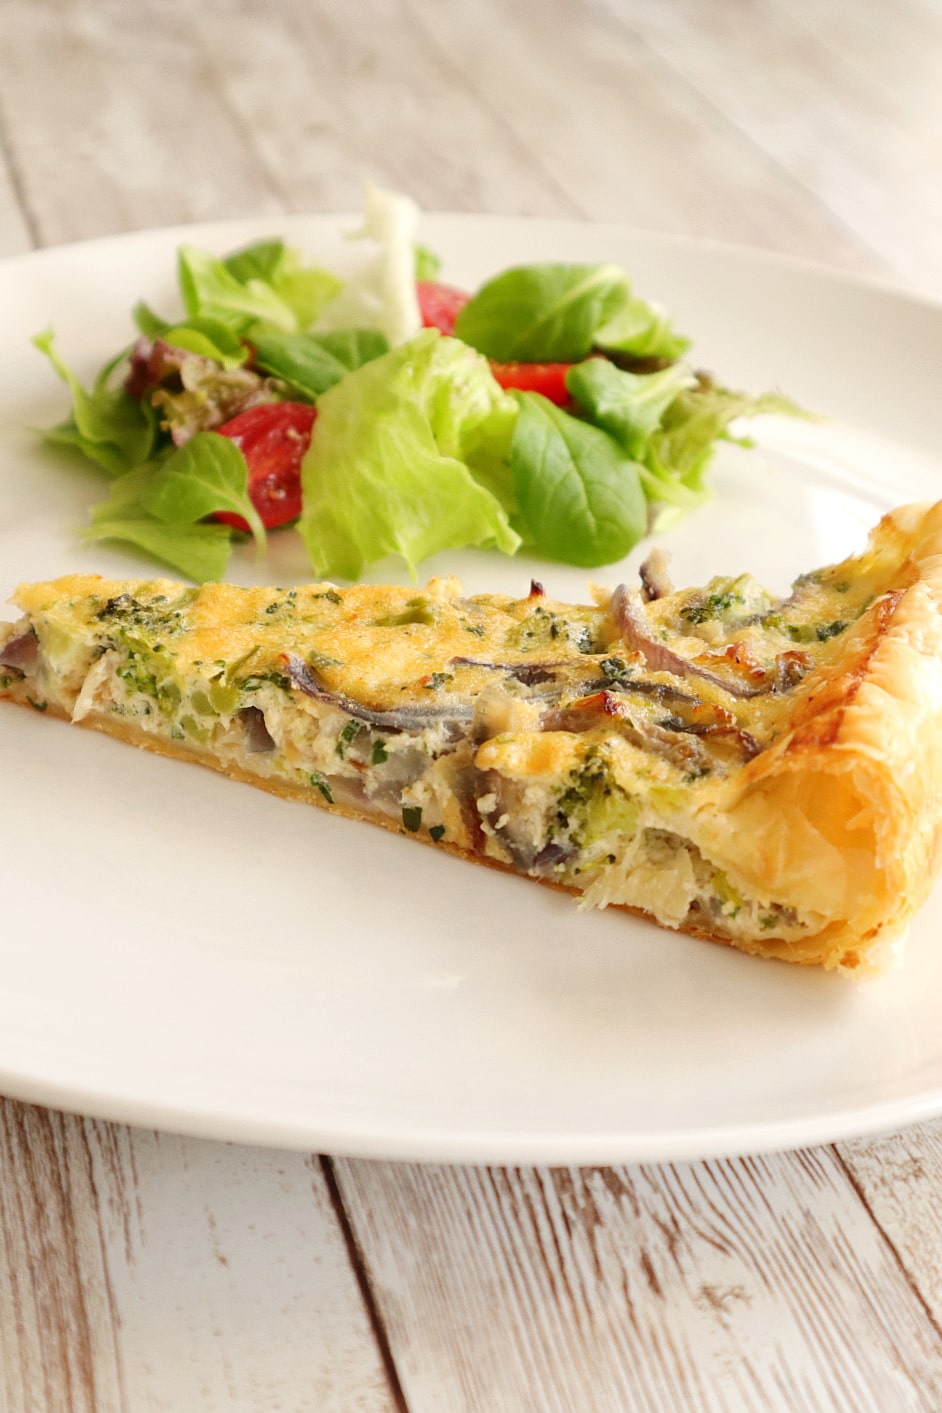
x,y
394,414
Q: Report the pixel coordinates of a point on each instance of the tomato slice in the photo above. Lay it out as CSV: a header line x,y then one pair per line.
x,y
440,305
273,438
546,378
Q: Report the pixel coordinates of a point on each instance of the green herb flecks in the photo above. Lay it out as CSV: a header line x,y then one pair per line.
x,y
319,783
347,736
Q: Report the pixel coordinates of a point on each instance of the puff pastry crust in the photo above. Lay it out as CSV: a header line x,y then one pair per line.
x,y
765,773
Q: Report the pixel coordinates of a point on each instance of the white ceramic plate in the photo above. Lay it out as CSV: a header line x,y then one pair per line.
x,y
181,951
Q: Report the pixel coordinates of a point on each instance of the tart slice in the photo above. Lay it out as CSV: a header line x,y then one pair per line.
x,y
762,772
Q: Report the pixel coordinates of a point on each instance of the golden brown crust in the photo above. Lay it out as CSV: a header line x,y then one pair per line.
x,y
843,813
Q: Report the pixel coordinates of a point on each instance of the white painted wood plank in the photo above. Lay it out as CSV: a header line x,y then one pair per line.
x,y
899,1176
138,1272
147,1272
719,1286
15,234
113,121
332,96
626,135
863,147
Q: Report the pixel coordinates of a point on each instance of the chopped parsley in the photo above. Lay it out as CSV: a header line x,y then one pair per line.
x,y
714,606
811,632
347,736
265,679
824,631
412,818
319,783
615,668
379,753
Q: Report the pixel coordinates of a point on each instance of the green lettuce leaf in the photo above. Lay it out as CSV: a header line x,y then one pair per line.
x,y
207,474
579,494
199,551
642,330
206,336
697,419
106,424
305,289
252,287
427,264
387,469
311,364
630,406
542,313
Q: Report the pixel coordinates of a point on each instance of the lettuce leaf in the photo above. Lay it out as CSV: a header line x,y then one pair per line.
x,y
265,283
630,406
381,293
203,335
199,551
542,313
305,289
698,418
643,330
579,493
107,425
310,364
389,467
208,473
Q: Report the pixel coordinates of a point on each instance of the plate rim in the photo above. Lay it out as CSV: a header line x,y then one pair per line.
x,y
710,1141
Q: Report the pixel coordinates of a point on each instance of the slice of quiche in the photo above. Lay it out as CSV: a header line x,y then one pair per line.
x,y
762,772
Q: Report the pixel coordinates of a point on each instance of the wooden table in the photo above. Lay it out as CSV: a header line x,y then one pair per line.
x,y
143,1271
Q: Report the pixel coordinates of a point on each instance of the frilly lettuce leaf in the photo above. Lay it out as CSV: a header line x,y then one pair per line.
x,y
389,467
109,427
381,293
197,549
265,283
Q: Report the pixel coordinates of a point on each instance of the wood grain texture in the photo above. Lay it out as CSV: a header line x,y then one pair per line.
x,y
600,113
142,1271
379,98
141,135
845,100
736,1285
899,1177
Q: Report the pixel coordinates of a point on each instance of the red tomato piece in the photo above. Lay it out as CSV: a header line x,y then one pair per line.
x,y
546,378
440,305
273,438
